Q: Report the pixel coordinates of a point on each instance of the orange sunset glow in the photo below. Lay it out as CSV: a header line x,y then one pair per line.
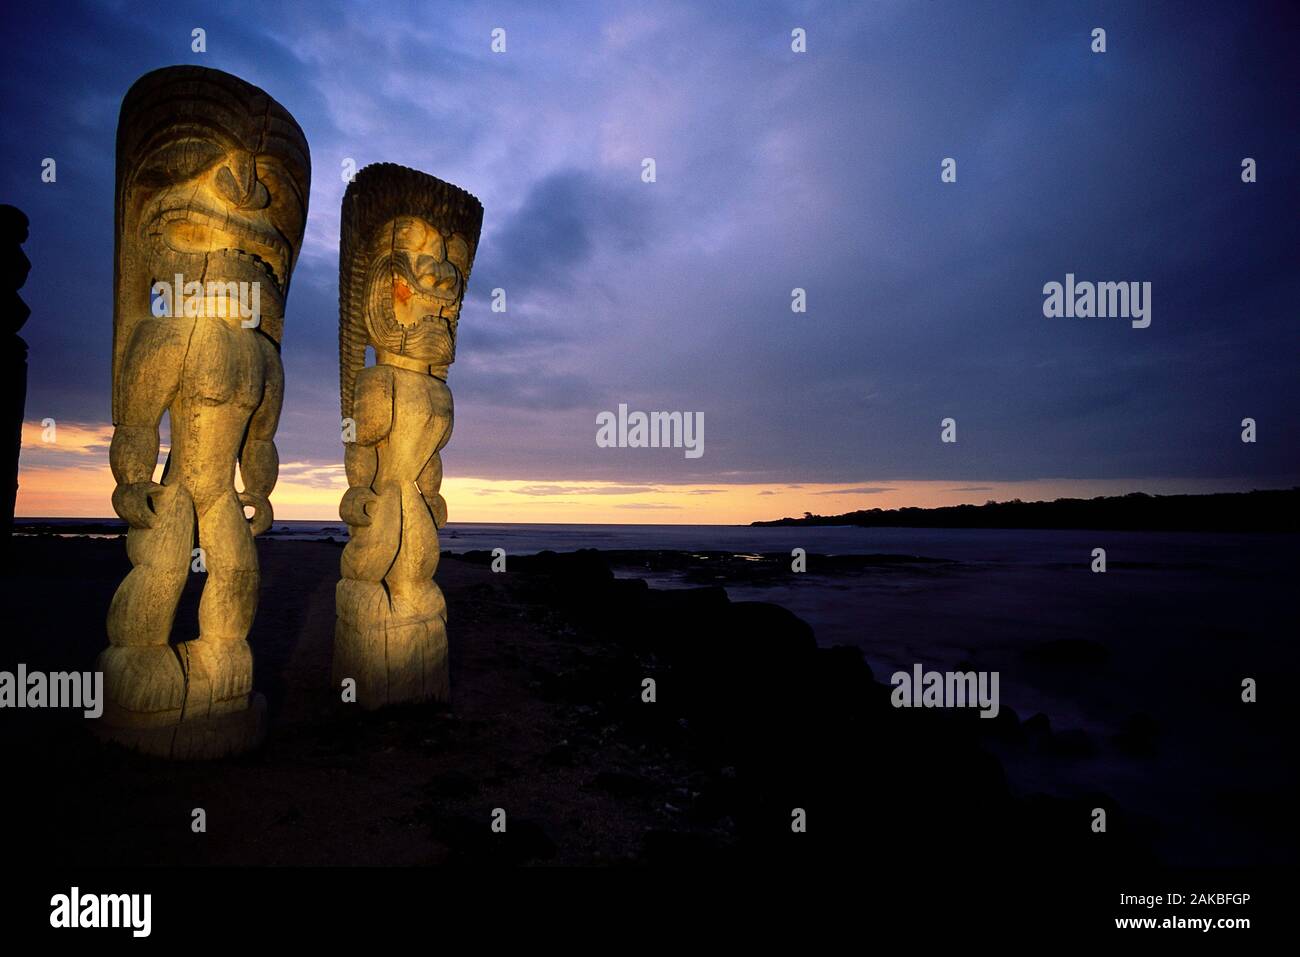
x,y
70,478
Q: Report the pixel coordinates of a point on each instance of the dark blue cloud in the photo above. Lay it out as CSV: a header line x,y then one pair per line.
x,y
775,170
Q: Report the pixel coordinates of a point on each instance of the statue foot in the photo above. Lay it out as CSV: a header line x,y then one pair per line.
x,y
144,685
390,658
216,736
219,676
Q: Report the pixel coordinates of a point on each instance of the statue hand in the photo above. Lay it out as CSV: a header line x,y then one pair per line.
x,y
133,503
262,513
352,509
438,506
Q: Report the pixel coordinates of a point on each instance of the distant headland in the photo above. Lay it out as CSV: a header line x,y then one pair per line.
x,y
1274,510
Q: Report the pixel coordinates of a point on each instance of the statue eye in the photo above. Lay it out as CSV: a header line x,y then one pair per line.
x,y
179,160
458,252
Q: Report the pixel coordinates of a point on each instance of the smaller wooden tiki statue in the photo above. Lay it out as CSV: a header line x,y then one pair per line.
x,y
407,245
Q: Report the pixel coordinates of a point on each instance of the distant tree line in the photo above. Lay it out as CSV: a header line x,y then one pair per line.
x,y
1257,511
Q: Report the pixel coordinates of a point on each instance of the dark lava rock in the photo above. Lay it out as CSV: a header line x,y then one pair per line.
x,y
1037,728
1068,651
1072,744
1137,736
1004,726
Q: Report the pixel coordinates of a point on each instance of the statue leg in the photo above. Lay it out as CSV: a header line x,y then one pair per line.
x,y
363,604
392,636
143,681
219,663
419,645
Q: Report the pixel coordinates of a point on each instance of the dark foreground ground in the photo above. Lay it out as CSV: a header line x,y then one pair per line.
x,y
752,721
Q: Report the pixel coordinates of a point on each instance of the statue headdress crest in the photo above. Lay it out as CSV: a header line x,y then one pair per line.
x,y
379,196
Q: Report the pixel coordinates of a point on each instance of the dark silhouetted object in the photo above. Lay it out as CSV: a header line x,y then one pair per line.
x,y
1263,510
16,266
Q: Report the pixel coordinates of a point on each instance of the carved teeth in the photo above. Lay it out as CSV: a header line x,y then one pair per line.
x,y
258,260
231,230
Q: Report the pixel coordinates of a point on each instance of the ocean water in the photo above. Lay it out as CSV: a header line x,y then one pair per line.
x,y
978,545
974,545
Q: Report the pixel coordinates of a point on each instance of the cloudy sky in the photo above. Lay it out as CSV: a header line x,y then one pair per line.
x,y
774,170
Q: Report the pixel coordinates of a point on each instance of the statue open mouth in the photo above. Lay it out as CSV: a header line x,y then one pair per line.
x,y
426,298
251,251
446,324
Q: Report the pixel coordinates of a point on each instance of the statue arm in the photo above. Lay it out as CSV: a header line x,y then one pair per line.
x,y
259,462
372,411
430,483
430,480
148,382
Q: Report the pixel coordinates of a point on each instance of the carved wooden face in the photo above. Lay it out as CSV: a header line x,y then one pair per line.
x,y
216,205
417,283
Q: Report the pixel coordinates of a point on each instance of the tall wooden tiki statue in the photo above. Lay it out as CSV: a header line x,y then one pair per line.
x,y
212,183
407,245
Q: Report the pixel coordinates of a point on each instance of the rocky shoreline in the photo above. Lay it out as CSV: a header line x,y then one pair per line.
x,y
752,720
